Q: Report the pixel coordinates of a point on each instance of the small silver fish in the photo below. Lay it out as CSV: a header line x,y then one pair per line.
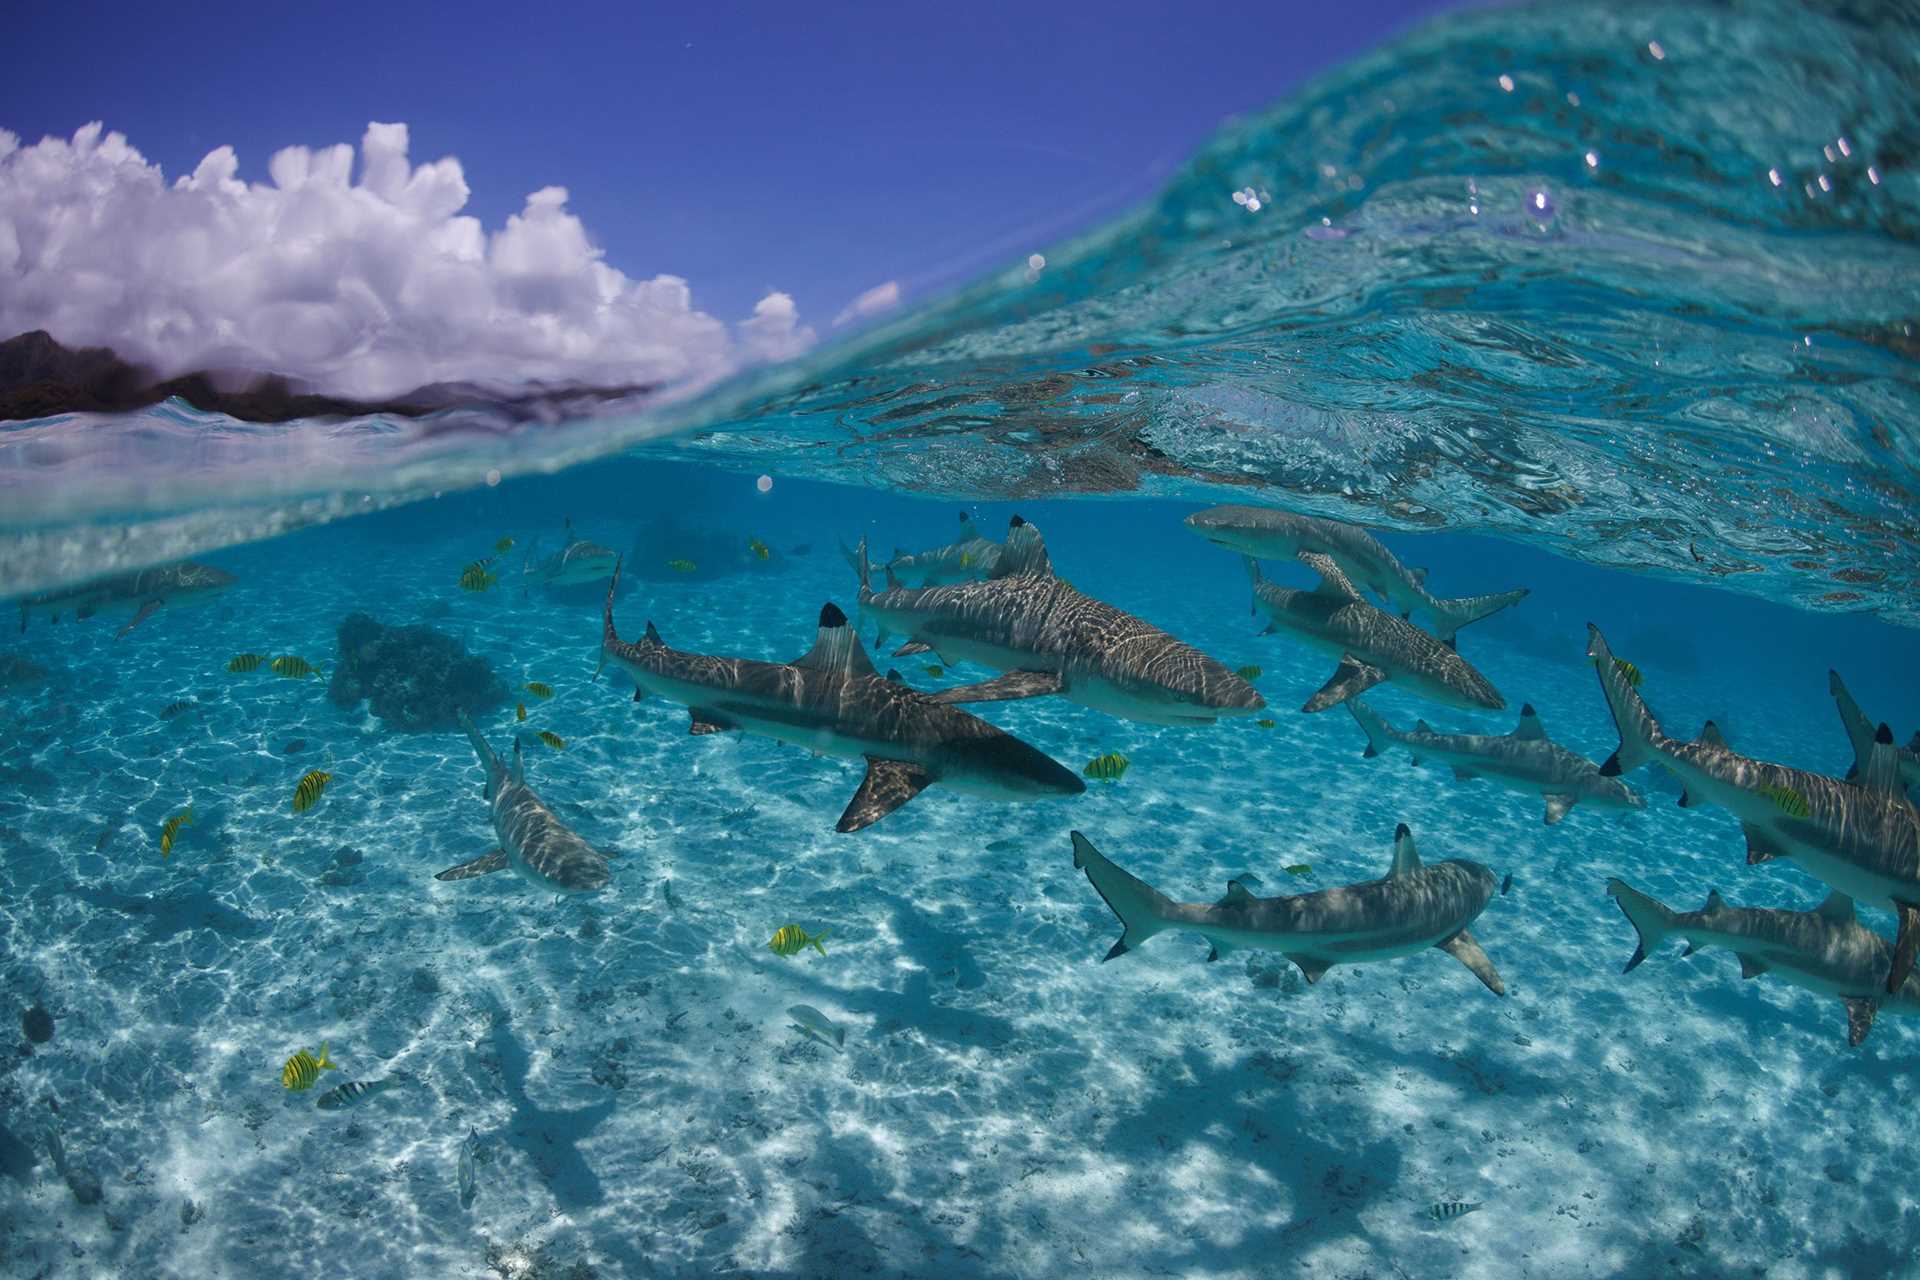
x,y
810,1022
464,1171
354,1092
1447,1210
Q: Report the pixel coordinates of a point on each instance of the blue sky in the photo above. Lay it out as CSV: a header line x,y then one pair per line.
x,y
817,149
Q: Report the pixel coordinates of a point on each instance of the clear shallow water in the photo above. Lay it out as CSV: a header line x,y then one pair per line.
x,y
1684,403
1006,1105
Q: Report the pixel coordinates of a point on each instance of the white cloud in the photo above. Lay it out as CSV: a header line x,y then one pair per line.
x,y
364,288
882,297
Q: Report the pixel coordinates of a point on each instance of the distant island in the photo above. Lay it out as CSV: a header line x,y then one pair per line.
x,y
39,377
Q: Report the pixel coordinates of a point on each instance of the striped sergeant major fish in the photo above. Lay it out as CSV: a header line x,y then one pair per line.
x,y
354,1092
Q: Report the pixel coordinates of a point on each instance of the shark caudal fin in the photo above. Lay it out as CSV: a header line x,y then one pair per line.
x,y
1619,681
488,760
1854,721
1451,615
1142,908
1650,920
607,634
1379,732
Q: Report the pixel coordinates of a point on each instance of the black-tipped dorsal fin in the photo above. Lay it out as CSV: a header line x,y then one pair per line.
x,y
1333,582
966,521
653,634
1714,901
1838,906
1711,735
519,765
1881,770
836,648
1024,555
1406,859
1421,726
1529,729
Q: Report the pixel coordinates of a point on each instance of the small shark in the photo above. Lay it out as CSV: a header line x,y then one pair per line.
x,y
1414,907
1525,759
1267,534
1863,840
1860,733
833,702
967,560
1372,644
1049,638
145,593
577,563
1824,950
532,841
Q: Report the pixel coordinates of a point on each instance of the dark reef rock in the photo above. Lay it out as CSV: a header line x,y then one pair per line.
x,y
37,1023
39,378
413,678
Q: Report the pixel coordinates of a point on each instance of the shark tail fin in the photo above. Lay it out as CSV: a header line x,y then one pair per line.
x,y
607,634
481,747
1378,731
863,566
1650,920
1256,578
847,554
1638,729
1141,907
1451,615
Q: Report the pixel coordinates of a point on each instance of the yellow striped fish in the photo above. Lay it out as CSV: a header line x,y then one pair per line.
x,y
539,690
758,548
1106,768
791,939
1266,724
303,1069
1787,801
294,667
682,566
306,793
171,827
1248,673
242,663
553,740
520,711
1629,672
503,546
475,576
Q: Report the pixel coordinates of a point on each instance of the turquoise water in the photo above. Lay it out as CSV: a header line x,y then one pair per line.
x,y
1682,407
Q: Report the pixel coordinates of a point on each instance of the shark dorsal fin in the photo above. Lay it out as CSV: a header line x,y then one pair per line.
x,y
1714,901
1529,729
1838,906
966,522
1711,735
1421,726
519,765
1025,553
836,647
1237,895
1854,721
653,635
1881,772
1332,581
1406,859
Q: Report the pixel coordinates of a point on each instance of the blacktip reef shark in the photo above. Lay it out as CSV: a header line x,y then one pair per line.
x,y
1267,534
1863,840
1049,638
1372,644
578,563
533,842
1860,733
1825,950
145,593
833,702
1525,759
1412,908
967,560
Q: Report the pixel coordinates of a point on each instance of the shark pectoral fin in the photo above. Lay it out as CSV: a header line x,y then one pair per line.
x,y
639,694
1557,807
1350,678
492,860
1751,968
1463,947
1905,945
1859,1018
1220,949
888,785
147,610
1006,688
1760,845
706,722
1691,948
912,647
1312,968
1687,801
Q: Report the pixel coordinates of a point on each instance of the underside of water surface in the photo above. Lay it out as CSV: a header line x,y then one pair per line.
x,y
1613,306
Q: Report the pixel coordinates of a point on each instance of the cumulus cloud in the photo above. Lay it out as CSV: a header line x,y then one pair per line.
x,y
882,297
364,288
